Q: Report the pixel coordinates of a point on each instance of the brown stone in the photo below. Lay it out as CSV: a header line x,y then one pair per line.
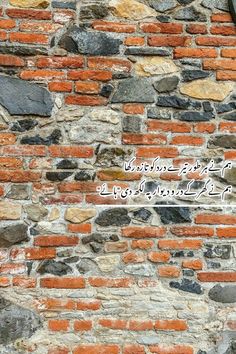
x,y
39,4
131,9
9,211
150,66
78,215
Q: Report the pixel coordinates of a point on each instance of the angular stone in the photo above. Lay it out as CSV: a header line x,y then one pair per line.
x,y
166,84
142,214
58,176
9,211
159,113
163,5
106,90
217,251
65,5
225,107
132,124
173,102
229,116
207,89
218,4
95,237
194,116
224,141
93,11
174,215
230,176
190,14
53,267
12,234
78,215
107,263
185,2
144,270
131,9
187,285
150,66
105,115
134,90
20,97
113,217
36,212
16,322
78,40
53,139
108,157
18,50
225,294
18,192
67,165
39,4
86,265
190,75
147,51
84,176
23,125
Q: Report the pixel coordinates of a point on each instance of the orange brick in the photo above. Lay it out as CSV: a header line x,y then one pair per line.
x,y
58,325
29,38
24,282
229,127
217,276
205,128
133,257
7,24
84,100
227,64
24,150
174,349
10,163
87,87
4,282
179,245
143,232
83,325
41,74
134,41
169,41
7,139
60,86
133,108
192,231
171,325
142,244
223,30
82,228
187,140
110,282
71,151
56,241
221,17
39,26
174,127
174,28
109,64
216,41
143,139
195,53
162,152
196,29
60,62
97,75
31,14
63,283
135,325
169,271
113,26
215,219
133,349
97,349
230,155
228,53
195,264
226,75
226,232
113,323
159,257
40,253
92,305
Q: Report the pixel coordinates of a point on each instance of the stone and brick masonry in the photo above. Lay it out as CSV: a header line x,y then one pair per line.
x,y
84,86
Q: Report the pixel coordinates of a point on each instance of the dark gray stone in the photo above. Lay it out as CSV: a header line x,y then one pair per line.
x,y
113,217
64,5
52,139
191,62
134,90
164,18
23,51
71,259
173,102
207,106
23,125
57,176
225,294
16,322
112,156
18,192
217,251
188,273
187,285
213,265
157,113
93,11
147,51
53,267
190,75
132,124
12,234
166,84
191,116
84,176
174,215
224,141
20,97
225,107
190,14
229,116
162,5
232,348
217,4
142,214
185,2
67,165
106,90
89,43
95,237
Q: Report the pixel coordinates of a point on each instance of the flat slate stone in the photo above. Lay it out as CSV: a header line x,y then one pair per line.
x,y
187,285
225,294
147,51
166,84
21,97
113,217
190,75
190,14
134,90
224,141
217,251
173,215
78,40
10,235
53,267
195,116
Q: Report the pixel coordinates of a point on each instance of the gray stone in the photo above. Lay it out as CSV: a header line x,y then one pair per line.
x,y
53,267
16,322
230,176
64,5
93,11
106,90
159,113
78,40
185,2
144,270
173,102
86,265
163,5
24,51
166,84
54,138
134,90
58,176
112,156
187,285
190,75
20,97
225,107
225,294
217,251
188,273
232,348
84,176
174,215
224,141
113,217
23,125
147,51
192,116
132,124
12,234
36,212
190,14
229,116
142,214
67,165
218,4
95,237
18,192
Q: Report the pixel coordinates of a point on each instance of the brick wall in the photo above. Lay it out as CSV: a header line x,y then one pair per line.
x,y
84,87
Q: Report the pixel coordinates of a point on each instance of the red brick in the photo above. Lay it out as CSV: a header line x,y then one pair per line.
x,y
92,305
24,282
84,100
3,36
30,38
109,64
61,62
221,17
82,325
58,325
180,244
135,325
226,75
143,232
97,349
12,268
31,14
171,325
192,231
45,27
223,30
229,127
113,26
174,127
4,282
133,349
175,28
169,271
71,151
134,41
19,176
215,219
195,264
24,150
228,53
142,244
57,305
81,228
230,155
10,163
63,283
97,75
216,41
227,64
169,41
159,257
195,53
133,257
217,276
174,349
226,232
40,253
7,139
56,241
113,323
60,86
7,23
196,29
204,127
110,282
144,139
133,108
87,87
187,140
162,152
41,74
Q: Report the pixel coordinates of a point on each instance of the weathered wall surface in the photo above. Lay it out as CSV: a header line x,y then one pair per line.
x,y
84,86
